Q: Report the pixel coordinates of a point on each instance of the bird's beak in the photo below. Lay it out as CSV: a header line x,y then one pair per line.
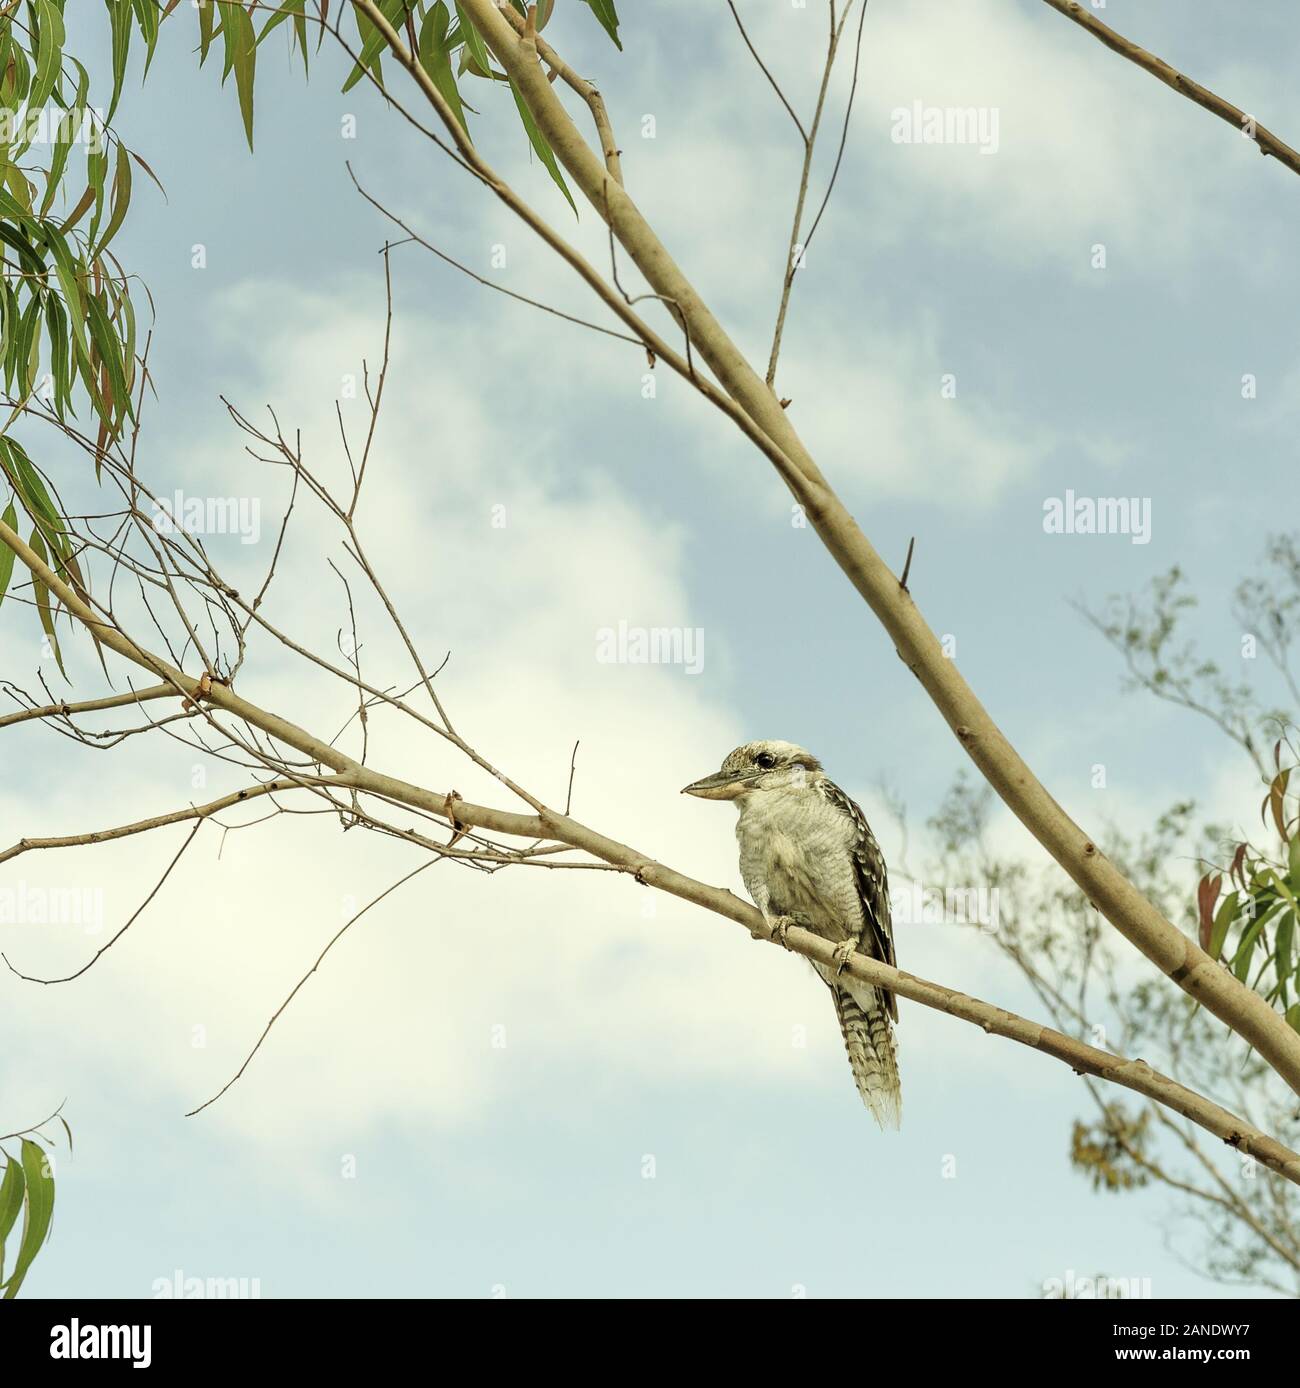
x,y
722,785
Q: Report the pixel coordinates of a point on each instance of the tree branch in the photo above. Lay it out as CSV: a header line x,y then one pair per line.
x,y
1268,142
65,710
143,826
580,85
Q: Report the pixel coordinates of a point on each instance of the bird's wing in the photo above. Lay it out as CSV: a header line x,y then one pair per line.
x,y
872,883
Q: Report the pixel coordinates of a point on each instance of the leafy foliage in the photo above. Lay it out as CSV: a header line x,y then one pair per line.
x,y
1254,929
67,321
1110,1152
27,1189
1242,909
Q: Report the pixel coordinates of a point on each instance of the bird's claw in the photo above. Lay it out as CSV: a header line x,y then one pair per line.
x,y
778,928
843,953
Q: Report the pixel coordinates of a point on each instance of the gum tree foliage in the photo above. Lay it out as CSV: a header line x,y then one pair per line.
x,y
26,1189
1235,886
70,339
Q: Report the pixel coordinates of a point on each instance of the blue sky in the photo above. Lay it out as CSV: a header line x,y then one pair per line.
x,y
637,1030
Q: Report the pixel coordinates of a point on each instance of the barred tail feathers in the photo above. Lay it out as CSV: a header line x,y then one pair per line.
x,y
869,1040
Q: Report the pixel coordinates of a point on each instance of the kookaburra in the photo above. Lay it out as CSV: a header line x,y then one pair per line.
x,y
809,858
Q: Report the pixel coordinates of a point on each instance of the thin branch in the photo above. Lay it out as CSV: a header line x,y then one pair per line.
x,y
297,987
480,279
99,953
844,129
66,710
36,1127
573,766
143,826
795,251
1245,124
771,80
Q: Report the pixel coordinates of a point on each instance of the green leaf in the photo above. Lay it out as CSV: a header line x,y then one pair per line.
x,y
540,145
241,54
1246,947
1293,1016
39,1212
435,59
120,19
31,261
373,41
29,486
43,601
64,137
474,44
67,273
97,178
207,14
608,17
1227,913
6,572
27,348
1284,890
107,346
146,11
120,200
12,1186
1282,953
289,9
49,53
300,35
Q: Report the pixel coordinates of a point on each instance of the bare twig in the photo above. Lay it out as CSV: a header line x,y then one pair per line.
x,y
798,124
297,987
419,240
1268,142
144,826
99,953
796,251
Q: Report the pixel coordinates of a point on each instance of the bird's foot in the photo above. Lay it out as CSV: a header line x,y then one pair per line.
x,y
777,928
843,953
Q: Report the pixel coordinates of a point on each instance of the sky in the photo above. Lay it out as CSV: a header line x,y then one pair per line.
x,y
557,1083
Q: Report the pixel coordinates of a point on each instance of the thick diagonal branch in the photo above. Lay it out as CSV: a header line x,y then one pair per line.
x,y
1122,904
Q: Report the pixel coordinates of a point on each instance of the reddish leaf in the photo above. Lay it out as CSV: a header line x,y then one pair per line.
x,y
1237,872
1207,893
1276,801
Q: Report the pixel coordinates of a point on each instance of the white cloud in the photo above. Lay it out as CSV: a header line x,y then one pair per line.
x,y
875,408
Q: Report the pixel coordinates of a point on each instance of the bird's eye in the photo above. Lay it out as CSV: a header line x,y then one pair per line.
x,y
766,760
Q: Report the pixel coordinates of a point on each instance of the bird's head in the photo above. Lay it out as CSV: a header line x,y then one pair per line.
x,y
757,767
